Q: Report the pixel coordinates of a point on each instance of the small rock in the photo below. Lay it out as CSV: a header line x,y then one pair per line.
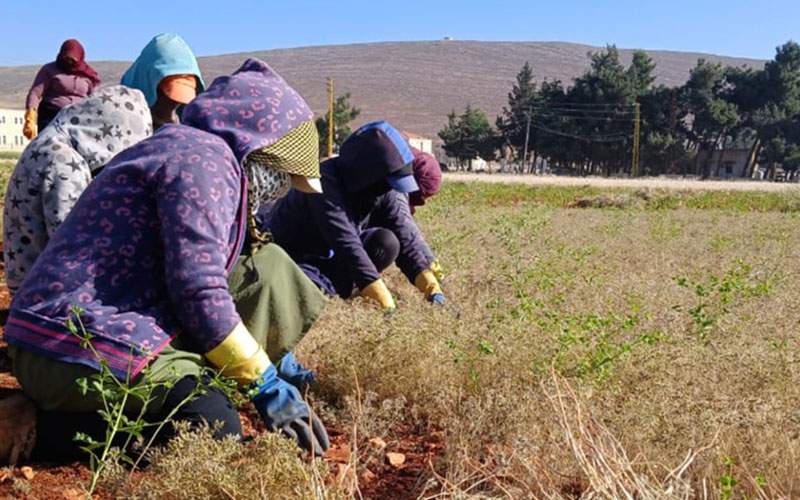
x,y
378,443
338,453
27,472
368,476
73,494
395,459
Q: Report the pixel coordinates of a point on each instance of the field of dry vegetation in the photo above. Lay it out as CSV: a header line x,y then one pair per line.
x,y
643,349
599,343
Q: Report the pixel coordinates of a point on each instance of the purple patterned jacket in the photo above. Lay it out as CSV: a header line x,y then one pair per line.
x,y
147,249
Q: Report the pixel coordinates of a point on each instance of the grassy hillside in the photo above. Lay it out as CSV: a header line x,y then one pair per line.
x,y
414,84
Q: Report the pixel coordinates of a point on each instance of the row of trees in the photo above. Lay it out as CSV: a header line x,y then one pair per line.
x,y
587,128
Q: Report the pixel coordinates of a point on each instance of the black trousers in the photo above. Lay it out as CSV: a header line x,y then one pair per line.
x,y
45,115
56,430
333,277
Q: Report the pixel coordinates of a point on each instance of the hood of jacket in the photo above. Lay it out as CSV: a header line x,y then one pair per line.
x,y
165,55
105,123
369,155
251,109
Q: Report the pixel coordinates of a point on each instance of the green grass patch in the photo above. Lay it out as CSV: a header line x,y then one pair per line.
x,y
10,155
493,195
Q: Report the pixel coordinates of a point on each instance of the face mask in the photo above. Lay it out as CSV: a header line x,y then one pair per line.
x,y
266,185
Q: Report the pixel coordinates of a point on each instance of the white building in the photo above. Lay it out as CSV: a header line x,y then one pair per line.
x,y
11,122
424,144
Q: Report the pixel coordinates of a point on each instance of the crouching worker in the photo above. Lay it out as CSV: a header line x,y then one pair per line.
x,y
152,256
359,225
59,164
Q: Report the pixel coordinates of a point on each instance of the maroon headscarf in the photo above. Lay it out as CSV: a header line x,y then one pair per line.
x,y
73,48
428,174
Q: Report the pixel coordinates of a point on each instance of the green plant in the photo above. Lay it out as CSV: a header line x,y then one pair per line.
x,y
727,481
124,408
589,345
715,295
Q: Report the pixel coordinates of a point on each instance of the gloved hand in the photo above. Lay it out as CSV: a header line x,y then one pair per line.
x,y
283,410
378,291
438,271
427,283
290,370
437,299
30,129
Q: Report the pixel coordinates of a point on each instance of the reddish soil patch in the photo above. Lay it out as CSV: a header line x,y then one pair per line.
x,y
49,482
375,476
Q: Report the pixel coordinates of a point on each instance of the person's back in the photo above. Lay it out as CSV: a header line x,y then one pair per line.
x,y
113,235
58,165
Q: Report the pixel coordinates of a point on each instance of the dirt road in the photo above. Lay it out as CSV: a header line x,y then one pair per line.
x,y
642,183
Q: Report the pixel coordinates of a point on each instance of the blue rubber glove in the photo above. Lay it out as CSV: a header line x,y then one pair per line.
x,y
283,410
290,370
437,299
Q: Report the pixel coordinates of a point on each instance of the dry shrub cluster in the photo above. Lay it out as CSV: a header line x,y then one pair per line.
x,y
604,353
194,465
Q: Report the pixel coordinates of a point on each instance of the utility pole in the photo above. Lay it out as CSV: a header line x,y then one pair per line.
x,y
637,129
527,135
331,125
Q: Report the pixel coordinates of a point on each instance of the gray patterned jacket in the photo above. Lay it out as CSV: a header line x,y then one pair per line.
x,y
58,165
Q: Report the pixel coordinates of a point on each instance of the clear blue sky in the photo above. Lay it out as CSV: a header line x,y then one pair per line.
x,y
32,30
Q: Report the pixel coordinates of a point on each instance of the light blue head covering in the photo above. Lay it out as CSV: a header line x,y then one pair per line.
x,y
165,55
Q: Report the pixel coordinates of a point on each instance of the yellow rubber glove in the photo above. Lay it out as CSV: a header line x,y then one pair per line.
x,y
239,356
378,291
30,129
427,283
438,271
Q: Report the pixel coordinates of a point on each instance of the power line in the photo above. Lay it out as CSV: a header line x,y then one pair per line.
x,y
583,111
600,119
597,138
586,104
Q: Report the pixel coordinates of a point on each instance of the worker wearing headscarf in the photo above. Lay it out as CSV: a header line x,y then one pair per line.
x,y
358,226
58,165
57,84
150,255
428,174
167,73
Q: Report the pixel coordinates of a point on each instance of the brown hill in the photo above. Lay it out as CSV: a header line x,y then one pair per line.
x,y
412,84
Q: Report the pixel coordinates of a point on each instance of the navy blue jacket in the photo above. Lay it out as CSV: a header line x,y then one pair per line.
x,y
355,197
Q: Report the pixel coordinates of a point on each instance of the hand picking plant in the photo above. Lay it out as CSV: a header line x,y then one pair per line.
x,y
124,408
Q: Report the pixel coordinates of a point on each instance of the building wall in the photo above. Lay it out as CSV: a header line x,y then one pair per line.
x,y
424,145
731,162
11,122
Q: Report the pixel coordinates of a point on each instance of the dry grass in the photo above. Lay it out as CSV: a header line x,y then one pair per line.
x,y
194,465
674,330
620,350
642,183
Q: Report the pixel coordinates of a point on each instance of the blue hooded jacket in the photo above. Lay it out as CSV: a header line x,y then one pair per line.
x,y
355,196
165,55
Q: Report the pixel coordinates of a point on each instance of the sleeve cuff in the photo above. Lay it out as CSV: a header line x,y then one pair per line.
x,y
437,269
426,283
239,356
378,291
